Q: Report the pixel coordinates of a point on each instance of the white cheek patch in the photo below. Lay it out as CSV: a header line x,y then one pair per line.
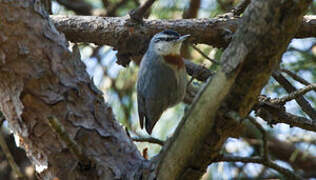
x,y
163,48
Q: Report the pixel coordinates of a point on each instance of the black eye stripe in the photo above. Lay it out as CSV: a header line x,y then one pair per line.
x,y
166,39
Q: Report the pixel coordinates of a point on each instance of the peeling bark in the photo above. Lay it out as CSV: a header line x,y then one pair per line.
x,y
40,77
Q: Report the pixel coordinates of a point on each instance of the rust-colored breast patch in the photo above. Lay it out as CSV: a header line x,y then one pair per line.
x,y
175,60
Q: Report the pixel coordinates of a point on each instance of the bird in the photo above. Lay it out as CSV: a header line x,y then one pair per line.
x,y
162,80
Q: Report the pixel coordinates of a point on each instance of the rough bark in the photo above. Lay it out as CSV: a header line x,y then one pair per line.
x,y
41,78
122,34
248,63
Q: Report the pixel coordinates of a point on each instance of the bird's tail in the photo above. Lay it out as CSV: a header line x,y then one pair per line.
x,y
150,123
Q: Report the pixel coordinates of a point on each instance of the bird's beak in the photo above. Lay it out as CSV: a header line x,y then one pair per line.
x,y
182,38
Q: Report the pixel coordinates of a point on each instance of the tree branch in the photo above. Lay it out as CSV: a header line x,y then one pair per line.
x,y
5,149
138,14
294,94
304,104
265,153
307,27
193,9
199,72
203,130
275,113
148,139
204,55
289,174
280,149
295,77
189,13
122,35
240,8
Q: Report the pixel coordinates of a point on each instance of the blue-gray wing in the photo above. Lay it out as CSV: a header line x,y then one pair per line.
x,y
141,109
151,103
156,83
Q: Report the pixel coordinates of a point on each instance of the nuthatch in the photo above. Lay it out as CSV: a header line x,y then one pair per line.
x,y
162,77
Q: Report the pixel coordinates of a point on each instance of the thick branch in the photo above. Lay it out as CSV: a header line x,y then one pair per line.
x,y
247,65
121,34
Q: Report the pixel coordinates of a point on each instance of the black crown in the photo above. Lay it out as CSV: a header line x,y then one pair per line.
x,y
171,32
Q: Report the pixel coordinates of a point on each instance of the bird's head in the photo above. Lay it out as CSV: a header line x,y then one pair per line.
x,y
167,42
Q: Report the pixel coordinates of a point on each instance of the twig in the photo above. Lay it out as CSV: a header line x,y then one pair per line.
x,y
9,157
304,104
138,13
286,172
204,55
264,137
294,94
295,77
58,128
275,113
148,139
240,8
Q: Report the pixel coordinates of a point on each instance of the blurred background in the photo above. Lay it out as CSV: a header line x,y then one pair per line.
x,y
291,147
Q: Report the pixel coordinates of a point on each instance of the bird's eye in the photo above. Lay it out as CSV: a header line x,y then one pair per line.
x,y
169,39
